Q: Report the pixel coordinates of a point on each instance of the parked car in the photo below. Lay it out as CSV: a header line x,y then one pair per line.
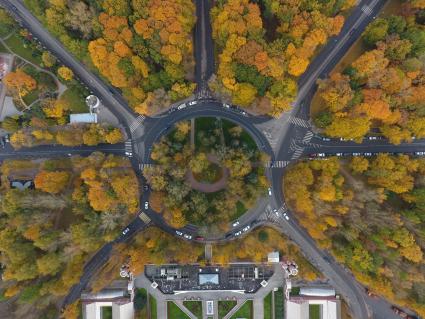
x,y
181,106
401,313
420,153
370,293
146,187
227,106
129,154
187,236
192,103
146,205
367,154
321,154
199,238
6,138
338,154
246,228
238,233
125,231
270,191
236,223
276,212
357,154
286,216
179,233
326,139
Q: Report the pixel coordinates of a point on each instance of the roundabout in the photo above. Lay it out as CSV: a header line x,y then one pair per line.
x,y
205,172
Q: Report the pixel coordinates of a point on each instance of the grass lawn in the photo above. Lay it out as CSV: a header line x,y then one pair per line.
x,y
295,291
268,306
244,312
195,307
278,304
31,97
315,311
244,137
3,49
152,305
76,98
14,42
224,307
174,312
240,210
106,312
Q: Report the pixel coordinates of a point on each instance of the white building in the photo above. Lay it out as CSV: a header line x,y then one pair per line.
x,y
116,299
322,302
273,257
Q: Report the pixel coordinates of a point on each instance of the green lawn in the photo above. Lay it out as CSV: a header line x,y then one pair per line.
x,y
240,210
76,97
315,311
195,307
106,312
31,97
244,312
15,43
224,307
174,312
268,306
3,49
278,304
152,305
244,137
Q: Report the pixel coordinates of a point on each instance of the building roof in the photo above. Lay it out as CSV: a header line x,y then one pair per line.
x,y
92,101
317,291
83,118
21,185
208,279
273,257
300,309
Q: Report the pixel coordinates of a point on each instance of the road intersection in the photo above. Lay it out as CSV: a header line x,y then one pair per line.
x,y
285,139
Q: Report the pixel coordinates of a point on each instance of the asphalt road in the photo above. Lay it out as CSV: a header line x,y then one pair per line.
x,y
281,138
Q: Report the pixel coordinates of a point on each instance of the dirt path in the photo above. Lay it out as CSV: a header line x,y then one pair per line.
x,y
207,187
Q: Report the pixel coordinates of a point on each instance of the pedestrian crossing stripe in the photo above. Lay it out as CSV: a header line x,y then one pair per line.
x,y
145,218
366,9
128,146
308,136
136,123
299,122
277,164
297,153
142,166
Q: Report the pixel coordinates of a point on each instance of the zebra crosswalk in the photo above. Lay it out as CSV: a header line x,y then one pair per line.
x,y
277,164
136,123
128,148
298,151
366,9
299,122
142,166
145,218
307,137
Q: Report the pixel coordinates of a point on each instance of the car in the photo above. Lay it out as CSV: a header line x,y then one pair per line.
x,y
372,138
227,106
321,154
6,138
125,231
370,293
236,223
192,103
420,153
367,154
181,106
187,236
238,233
228,235
270,191
413,137
286,216
146,205
69,154
199,238
276,212
171,110
129,154
146,187
246,228
326,139
179,233
244,113
338,154
401,313
356,154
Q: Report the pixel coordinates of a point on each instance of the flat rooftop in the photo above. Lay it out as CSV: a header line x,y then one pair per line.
x,y
241,277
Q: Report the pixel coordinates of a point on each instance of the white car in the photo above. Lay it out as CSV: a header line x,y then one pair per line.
x,y
227,106
321,155
187,236
276,212
338,154
146,205
238,233
181,106
270,191
236,223
420,153
179,233
125,231
286,216
244,113
367,154
129,154
357,154
326,139
192,103
246,228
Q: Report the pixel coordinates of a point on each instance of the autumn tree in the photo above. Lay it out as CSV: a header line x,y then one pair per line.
x,y
51,182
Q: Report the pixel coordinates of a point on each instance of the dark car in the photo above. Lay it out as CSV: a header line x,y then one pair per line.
x,y
401,313
199,238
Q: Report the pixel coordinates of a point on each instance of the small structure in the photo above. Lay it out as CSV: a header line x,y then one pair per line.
x,y
83,118
311,301
22,184
208,279
92,102
210,308
290,267
273,257
117,299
